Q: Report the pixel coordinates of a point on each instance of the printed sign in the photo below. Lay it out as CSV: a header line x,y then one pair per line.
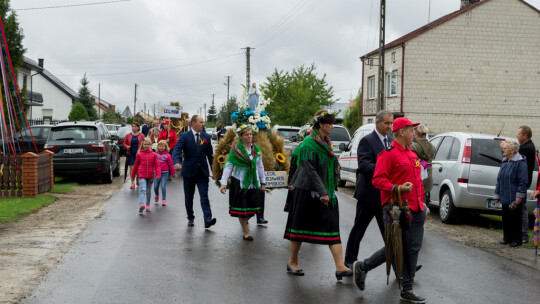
x,y
171,111
276,179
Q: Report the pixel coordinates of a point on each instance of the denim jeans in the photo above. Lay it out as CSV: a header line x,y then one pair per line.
x,y
163,183
145,190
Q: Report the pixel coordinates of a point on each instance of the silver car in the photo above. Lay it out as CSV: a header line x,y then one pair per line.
x,y
465,170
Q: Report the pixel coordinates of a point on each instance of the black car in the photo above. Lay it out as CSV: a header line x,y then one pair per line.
x,y
22,142
84,148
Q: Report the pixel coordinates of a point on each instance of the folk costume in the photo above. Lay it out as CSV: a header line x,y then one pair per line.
x,y
316,175
245,168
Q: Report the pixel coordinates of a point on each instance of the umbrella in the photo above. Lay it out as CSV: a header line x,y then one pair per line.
x,y
536,233
393,236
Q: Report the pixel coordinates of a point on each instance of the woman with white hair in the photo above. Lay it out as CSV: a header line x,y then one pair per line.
x,y
511,191
426,152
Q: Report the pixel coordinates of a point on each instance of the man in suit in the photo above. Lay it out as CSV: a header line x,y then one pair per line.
x,y
196,146
369,198
146,127
528,150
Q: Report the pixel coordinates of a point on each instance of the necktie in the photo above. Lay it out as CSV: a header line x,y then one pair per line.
x,y
385,143
198,139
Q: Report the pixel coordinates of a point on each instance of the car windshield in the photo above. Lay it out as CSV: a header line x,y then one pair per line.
x,y
287,133
74,133
339,134
122,132
112,127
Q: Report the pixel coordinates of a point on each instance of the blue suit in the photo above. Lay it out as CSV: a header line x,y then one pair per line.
x,y
195,169
369,197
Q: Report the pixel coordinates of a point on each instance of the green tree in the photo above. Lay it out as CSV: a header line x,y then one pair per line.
x,y
352,118
112,117
297,95
212,113
78,112
224,115
14,38
85,97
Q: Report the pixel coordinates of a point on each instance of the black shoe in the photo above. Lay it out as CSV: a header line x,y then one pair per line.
x,y
190,223
248,238
141,209
298,272
411,297
418,267
359,275
515,244
209,223
261,221
349,265
341,274
503,242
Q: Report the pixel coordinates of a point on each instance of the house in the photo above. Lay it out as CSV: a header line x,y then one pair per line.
x,y
126,113
49,98
474,70
102,106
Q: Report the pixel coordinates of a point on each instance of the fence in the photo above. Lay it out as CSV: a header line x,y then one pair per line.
x,y
41,121
11,180
26,175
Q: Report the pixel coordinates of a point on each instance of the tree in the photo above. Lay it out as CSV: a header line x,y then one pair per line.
x,y
353,115
296,96
112,117
212,113
227,109
14,38
78,112
85,97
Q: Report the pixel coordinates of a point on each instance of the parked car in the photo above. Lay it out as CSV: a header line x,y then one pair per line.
x,y
22,141
121,134
288,133
113,128
211,131
223,131
348,159
465,170
339,135
84,148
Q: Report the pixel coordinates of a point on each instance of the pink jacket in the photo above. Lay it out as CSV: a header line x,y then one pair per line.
x,y
165,160
146,165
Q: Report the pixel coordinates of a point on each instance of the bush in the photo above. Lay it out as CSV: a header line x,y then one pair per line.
x,y
78,112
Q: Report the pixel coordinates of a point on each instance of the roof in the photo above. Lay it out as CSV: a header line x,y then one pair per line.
x,y
31,64
126,112
432,25
59,84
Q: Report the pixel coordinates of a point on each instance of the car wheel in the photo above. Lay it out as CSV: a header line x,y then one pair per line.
x,y
116,171
447,210
107,177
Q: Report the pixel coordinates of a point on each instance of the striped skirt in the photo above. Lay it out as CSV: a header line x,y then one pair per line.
x,y
243,203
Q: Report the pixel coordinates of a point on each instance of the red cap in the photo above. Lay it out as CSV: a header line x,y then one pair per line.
x,y
167,122
402,122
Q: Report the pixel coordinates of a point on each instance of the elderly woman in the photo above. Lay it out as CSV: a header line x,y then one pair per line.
x,y
314,213
426,152
248,179
511,190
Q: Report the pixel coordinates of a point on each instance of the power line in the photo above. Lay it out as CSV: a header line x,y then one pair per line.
x,y
68,5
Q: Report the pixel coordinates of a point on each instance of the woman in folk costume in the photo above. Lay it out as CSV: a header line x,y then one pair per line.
x,y
246,167
314,214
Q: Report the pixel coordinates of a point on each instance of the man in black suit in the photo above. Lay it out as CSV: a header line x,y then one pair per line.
x,y
146,127
528,150
369,198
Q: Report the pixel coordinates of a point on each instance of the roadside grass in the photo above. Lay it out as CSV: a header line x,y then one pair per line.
x,y
63,185
496,225
13,209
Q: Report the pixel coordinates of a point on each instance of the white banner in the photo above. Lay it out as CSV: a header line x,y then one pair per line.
x,y
171,111
276,179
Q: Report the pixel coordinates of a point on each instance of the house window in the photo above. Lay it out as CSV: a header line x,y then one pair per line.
x,y
370,63
371,87
393,57
391,83
25,81
370,120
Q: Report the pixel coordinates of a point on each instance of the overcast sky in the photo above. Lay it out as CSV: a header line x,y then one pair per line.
x,y
179,50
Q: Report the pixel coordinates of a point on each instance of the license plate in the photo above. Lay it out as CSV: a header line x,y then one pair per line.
x,y
73,151
491,204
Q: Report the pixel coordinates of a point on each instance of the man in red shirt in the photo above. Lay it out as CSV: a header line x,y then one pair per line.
x,y
399,165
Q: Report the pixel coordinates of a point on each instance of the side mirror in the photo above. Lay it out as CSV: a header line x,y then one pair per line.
x,y
342,147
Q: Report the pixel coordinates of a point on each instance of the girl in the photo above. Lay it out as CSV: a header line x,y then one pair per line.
x,y
154,138
166,165
146,166
132,143
168,135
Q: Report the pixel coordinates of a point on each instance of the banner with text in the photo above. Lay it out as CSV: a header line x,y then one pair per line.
x,y
276,179
171,111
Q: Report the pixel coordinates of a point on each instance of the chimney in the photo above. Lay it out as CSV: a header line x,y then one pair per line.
x,y
40,62
467,3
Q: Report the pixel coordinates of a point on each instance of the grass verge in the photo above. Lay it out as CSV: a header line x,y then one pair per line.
x,y
497,220
63,185
13,209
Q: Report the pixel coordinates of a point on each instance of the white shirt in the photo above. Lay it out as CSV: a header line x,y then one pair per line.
x,y
240,172
381,138
195,135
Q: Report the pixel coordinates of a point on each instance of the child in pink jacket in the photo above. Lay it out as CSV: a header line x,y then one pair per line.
x,y
165,160
146,167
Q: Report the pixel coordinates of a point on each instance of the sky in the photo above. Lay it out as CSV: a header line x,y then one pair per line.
x,y
182,51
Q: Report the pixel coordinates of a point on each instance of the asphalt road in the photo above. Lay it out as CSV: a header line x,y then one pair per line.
x,y
126,258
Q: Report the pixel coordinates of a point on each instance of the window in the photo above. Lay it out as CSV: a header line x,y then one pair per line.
x,y
454,153
25,81
391,83
486,152
74,132
435,141
444,149
370,120
370,63
339,134
371,87
393,57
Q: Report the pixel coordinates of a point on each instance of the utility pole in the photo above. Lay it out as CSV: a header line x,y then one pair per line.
x,y
135,102
228,84
154,109
205,112
381,105
248,66
99,100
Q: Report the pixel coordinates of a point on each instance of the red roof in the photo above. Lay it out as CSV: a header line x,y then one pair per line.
x,y
433,24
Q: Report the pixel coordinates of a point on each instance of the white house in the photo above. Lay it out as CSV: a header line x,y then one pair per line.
x,y
474,70
49,98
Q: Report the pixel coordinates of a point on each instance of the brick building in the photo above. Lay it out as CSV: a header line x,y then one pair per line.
x,y
473,70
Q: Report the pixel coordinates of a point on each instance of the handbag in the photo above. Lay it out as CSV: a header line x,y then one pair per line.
x,y
405,217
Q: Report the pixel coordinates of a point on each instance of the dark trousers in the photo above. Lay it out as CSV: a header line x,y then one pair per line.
x,y
412,242
511,220
364,214
201,181
260,216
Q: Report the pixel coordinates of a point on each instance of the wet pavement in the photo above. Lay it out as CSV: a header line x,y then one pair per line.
x,y
126,258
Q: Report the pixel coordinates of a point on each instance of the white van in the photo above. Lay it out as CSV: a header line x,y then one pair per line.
x,y
348,159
